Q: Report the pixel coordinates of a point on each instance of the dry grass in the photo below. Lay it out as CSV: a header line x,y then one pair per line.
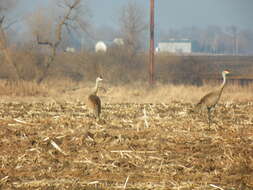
x,y
118,66
22,88
49,141
142,93
147,138
58,146
69,90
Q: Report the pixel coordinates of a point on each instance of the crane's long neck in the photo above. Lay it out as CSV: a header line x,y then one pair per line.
x,y
223,83
95,90
224,80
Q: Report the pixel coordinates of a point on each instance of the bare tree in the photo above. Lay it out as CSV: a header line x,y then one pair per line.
x,y
5,6
246,41
133,25
234,35
71,20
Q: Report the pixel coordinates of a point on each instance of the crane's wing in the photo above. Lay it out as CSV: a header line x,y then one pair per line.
x,y
209,99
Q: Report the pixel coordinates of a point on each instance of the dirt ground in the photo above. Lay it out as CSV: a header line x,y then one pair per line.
x,y
59,145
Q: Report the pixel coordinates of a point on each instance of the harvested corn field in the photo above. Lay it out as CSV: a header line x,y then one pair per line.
x,y
133,146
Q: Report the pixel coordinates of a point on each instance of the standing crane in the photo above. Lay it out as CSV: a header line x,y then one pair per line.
x,y
94,102
211,99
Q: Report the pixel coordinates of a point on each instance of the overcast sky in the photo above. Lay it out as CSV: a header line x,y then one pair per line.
x,y
182,13
171,13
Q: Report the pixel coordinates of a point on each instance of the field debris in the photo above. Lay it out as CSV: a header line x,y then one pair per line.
x,y
126,182
215,186
59,146
145,117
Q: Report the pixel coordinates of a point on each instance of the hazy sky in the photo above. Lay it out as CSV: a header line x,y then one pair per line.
x,y
182,13
171,13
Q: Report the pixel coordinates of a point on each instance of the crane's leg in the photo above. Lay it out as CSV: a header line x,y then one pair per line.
x,y
96,114
209,117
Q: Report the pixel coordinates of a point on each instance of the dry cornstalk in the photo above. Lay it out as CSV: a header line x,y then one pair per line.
x,y
138,157
126,182
145,118
215,186
93,182
19,121
4,179
57,147
33,149
85,162
131,151
128,155
164,104
45,139
152,110
160,166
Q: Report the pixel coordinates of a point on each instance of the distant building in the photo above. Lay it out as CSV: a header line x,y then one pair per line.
x,y
175,46
70,49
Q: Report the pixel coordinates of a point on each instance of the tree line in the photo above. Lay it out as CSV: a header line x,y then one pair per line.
x,y
215,39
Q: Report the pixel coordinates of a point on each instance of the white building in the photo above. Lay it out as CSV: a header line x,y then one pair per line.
x,y
175,46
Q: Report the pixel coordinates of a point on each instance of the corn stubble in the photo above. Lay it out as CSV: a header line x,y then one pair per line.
x,y
140,146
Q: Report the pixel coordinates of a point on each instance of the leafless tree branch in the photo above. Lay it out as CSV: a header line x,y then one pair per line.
x,y
10,24
133,25
43,42
1,20
5,50
65,21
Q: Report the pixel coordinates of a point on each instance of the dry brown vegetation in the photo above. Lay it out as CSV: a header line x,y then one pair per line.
x,y
50,141
69,90
58,145
147,138
119,66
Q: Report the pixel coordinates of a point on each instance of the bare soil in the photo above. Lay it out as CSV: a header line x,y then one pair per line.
x,y
61,146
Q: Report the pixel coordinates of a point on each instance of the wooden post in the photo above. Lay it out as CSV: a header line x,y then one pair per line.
x,y
152,45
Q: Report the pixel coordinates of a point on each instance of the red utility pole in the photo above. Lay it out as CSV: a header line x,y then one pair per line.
x,y
152,45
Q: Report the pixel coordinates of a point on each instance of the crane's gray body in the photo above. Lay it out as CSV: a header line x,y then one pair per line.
x,y
211,99
94,102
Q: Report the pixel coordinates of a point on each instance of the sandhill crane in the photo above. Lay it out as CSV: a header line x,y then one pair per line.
x,y
211,99
94,102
